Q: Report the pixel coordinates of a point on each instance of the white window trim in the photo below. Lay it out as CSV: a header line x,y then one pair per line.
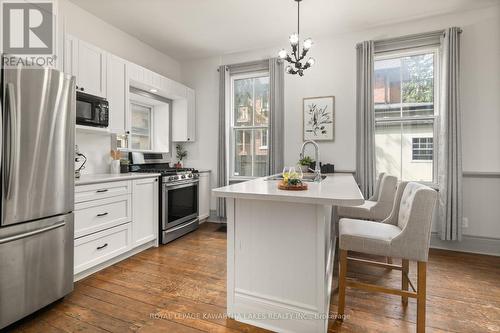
x,y
231,121
437,103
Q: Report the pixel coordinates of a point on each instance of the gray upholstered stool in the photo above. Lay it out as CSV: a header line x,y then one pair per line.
x,y
379,206
404,234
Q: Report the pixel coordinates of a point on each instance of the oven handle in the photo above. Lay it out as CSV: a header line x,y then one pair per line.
x,y
174,187
181,226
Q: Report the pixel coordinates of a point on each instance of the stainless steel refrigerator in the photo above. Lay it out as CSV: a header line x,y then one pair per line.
x,y
37,188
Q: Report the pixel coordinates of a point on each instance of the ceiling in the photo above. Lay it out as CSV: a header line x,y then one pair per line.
x,y
188,29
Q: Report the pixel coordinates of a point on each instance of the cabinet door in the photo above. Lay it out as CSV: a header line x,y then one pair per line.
x,y
70,55
204,195
191,115
91,77
144,210
117,93
184,118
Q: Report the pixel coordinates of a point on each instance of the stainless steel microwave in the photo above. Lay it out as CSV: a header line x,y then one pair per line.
x,y
91,110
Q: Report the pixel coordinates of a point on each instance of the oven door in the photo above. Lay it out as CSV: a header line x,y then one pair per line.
x,y
180,204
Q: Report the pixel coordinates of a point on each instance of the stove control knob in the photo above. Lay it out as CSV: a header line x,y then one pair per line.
x,y
171,178
190,175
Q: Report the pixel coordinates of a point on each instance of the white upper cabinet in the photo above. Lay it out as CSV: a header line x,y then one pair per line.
x,y
91,76
88,63
70,55
117,93
183,118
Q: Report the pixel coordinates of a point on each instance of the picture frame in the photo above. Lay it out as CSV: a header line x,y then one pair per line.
x,y
318,118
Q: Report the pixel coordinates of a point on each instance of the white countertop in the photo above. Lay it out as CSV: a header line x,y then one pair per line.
x,y
337,189
110,177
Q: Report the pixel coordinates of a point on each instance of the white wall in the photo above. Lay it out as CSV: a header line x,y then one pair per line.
x,y
334,74
90,28
85,26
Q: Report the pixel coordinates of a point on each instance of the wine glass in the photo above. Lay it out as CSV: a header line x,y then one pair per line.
x,y
286,172
300,173
292,173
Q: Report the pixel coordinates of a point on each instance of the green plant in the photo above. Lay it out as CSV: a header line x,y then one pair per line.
x,y
306,160
180,152
294,181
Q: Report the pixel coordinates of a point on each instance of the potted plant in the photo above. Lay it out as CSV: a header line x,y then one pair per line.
x,y
180,153
305,163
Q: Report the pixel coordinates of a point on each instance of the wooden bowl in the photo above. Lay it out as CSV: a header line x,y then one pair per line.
x,y
287,187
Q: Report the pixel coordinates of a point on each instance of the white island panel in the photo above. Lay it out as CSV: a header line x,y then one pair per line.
x,y
281,249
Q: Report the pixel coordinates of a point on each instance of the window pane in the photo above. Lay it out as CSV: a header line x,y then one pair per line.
x,y
250,121
243,153
418,150
261,101
405,149
387,91
141,127
261,160
243,102
388,148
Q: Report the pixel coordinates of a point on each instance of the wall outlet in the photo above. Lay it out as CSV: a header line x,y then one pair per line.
x,y
465,222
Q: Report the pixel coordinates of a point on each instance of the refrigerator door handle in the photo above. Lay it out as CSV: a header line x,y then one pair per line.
x,y
10,140
32,233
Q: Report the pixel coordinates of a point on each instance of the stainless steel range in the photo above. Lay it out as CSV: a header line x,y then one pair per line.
x,y
178,195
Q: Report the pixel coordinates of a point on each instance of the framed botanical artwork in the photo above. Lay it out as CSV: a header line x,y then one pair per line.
x,y
319,118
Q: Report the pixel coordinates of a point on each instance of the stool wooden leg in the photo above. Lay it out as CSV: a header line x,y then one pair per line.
x,y
404,279
421,292
342,283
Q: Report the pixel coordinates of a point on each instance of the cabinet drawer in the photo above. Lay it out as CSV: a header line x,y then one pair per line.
x,y
97,215
99,247
102,190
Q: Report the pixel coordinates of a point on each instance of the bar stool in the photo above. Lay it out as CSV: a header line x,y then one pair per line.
x,y
404,234
377,207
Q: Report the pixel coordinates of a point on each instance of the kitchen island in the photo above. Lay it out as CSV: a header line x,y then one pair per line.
x,y
281,248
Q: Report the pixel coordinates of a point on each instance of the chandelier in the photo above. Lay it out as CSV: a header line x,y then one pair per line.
x,y
297,55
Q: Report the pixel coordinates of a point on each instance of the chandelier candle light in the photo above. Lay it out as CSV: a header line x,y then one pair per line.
x,y
295,59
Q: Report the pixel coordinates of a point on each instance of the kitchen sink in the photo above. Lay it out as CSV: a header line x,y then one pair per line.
x,y
305,178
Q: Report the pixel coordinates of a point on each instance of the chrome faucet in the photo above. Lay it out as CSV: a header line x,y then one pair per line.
x,y
317,169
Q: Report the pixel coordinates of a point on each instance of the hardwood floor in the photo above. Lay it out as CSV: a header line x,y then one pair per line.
x,y
180,287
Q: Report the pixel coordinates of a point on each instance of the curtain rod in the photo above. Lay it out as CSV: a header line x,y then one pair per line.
x,y
409,37
249,63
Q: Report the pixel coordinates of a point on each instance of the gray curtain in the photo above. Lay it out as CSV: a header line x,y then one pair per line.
x,y
276,125
221,156
365,118
450,143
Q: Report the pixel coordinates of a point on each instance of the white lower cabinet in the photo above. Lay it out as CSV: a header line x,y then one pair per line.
x,y
145,210
204,195
114,220
97,215
101,246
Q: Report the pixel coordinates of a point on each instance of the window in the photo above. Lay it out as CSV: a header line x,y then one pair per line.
x,y
249,125
422,149
141,126
405,114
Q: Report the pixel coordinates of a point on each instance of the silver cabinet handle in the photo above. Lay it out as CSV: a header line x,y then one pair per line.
x,y
102,246
102,214
32,233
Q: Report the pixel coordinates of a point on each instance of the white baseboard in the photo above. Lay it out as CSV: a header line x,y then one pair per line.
x,y
470,244
214,218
